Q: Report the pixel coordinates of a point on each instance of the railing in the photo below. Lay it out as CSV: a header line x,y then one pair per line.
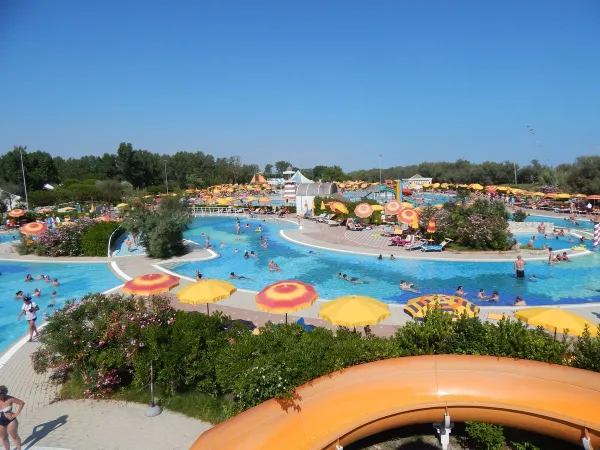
x,y
109,241
215,211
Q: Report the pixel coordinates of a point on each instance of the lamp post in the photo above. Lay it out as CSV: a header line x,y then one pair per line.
x,y
24,182
380,156
166,177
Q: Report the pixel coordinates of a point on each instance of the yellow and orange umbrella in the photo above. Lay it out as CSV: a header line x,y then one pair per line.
x,y
393,207
322,205
153,283
103,219
409,217
16,212
431,226
338,207
363,210
285,297
456,306
264,200
33,228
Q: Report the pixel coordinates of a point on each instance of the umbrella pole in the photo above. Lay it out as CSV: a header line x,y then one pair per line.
x,y
286,318
207,310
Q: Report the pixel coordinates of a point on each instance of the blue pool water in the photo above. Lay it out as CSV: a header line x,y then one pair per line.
x,y
431,198
574,282
559,222
6,237
75,280
556,242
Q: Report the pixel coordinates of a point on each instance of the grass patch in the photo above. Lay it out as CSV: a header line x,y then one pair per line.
x,y
524,247
191,403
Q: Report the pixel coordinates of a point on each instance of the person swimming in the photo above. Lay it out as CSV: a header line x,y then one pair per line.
x,y
404,286
19,295
246,254
198,275
460,292
36,292
534,278
28,278
495,297
253,255
55,282
392,257
481,295
380,257
237,277
519,302
313,253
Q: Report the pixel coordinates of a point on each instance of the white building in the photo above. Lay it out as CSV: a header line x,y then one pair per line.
x,y
415,182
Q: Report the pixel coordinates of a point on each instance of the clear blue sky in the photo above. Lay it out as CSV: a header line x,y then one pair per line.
x,y
312,81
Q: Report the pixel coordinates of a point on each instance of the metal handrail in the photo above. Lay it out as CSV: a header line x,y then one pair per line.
x,y
109,239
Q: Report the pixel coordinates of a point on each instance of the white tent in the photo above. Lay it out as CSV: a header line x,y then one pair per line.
x,y
298,178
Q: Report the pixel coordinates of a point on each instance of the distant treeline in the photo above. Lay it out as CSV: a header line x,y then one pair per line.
x,y
141,169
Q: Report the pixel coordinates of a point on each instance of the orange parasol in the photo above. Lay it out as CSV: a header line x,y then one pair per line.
x,y
593,197
264,200
154,283
431,226
102,219
33,228
393,207
363,210
16,213
285,297
409,217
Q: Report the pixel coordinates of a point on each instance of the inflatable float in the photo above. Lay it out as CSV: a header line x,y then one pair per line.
x,y
360,401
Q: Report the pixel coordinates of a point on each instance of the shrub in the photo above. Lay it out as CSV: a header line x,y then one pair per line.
x,y
519,216
94,241
160,228
485,436
110,341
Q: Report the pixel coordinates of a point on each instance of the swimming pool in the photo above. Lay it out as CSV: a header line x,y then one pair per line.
x,y
574,282
5,237
75,280
560,222
556,242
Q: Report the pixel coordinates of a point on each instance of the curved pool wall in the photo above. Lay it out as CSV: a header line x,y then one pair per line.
x,y
585,224
76,280
567,283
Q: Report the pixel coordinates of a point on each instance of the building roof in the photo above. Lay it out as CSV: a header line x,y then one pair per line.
x,y
299,178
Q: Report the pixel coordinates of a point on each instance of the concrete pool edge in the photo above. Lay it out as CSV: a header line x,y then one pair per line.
x,y
375,252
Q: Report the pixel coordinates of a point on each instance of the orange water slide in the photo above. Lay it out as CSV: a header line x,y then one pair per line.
x,y
348,405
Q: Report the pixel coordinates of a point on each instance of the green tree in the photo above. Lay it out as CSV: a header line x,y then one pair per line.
x,y
282,166
161,229
268,169
333,173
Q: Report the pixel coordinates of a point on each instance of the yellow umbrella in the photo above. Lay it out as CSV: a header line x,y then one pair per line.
x,y
312,205
579,196
206,291
122,205
426,185
563,196
377,208
538,194
354,311
556,320
250,198
322,205
502,188
407,205
477,187
438,206
224,201
339,207
435,185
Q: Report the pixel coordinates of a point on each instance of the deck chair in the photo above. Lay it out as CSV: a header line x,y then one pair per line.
x,y
497,316
436,248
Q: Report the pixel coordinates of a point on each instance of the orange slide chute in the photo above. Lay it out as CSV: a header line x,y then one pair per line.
x,y
364,400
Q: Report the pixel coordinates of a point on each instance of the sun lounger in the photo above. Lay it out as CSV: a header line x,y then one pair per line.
x,y
497,316
436,248
325,218
415,246
320,216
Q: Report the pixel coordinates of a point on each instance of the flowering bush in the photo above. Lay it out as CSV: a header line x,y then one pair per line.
x,y
100,337
481,225
82,238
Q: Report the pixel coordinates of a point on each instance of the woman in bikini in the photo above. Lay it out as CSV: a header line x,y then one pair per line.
x,y
9,425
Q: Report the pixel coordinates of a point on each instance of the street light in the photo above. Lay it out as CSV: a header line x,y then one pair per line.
x,y
24,182
380,156
166,177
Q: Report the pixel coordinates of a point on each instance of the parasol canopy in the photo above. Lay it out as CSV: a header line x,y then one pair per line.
x,y
354,311
363,210
338,207
16,212
556,320
393,207
206,291
431,226
150,284
409,217
33,228
286,296
456,306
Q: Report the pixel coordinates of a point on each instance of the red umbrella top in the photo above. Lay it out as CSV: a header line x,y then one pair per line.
x,y
286,296
17,212
33,228
363,210
393,207
154,283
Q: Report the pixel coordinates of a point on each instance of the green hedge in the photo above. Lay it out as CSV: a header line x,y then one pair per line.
x,y
94,241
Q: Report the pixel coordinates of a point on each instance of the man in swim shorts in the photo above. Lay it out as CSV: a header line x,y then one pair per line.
x,y
519,268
